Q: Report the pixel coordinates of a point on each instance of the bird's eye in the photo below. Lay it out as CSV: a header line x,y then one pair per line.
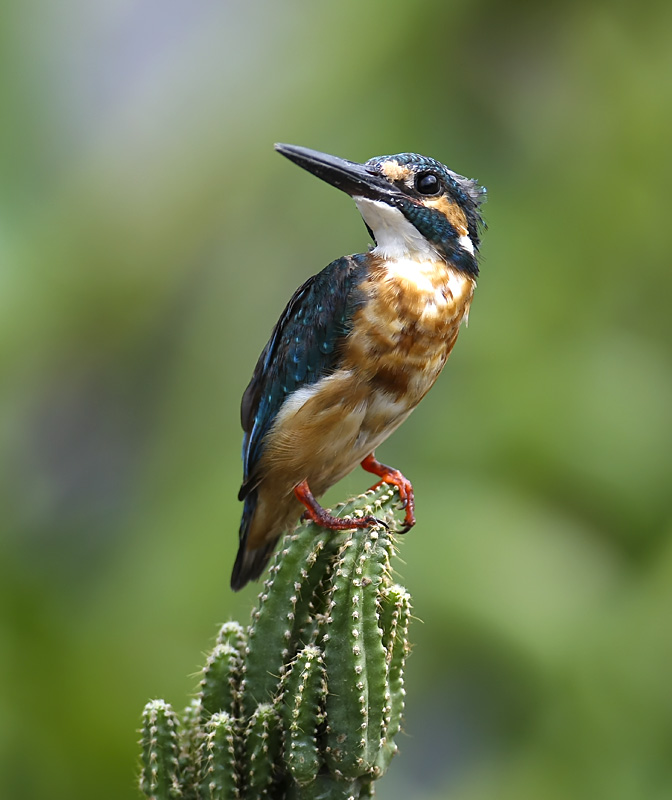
x,y
427,183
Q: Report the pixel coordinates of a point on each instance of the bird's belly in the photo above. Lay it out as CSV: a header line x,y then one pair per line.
x,y
324,431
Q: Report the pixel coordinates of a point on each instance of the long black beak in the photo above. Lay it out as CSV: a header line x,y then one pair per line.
x,y
355,179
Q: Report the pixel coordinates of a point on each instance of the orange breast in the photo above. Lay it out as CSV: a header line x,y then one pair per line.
x,y
402,337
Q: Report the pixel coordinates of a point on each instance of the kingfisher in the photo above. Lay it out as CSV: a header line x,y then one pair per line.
x,y
357,346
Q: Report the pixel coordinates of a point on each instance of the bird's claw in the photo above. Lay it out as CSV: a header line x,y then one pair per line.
x,y
392,477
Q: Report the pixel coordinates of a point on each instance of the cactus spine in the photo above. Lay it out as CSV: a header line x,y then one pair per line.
x,y
306,703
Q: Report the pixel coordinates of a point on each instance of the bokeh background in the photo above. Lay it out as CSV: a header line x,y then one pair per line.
x,y
150,237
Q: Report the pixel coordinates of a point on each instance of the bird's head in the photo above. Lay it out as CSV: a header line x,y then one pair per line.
x,y
413,206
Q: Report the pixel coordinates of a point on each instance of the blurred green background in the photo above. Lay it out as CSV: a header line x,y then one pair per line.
x,y
150,237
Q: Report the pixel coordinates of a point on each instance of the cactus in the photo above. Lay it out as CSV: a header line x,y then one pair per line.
x,y
305,704
303,692
160,763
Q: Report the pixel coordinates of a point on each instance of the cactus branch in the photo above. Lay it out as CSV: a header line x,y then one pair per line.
x,y
305,704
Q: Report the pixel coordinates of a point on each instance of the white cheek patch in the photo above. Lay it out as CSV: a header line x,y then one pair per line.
x,y
466,244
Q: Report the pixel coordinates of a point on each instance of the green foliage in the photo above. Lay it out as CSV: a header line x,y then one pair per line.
x,y
306,705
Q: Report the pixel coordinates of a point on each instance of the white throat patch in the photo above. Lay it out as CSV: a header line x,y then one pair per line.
x,y
395,236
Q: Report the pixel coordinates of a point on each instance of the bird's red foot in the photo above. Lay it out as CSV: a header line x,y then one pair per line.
x,y
322,517
394,478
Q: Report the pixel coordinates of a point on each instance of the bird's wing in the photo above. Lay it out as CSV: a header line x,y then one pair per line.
x,y
303,347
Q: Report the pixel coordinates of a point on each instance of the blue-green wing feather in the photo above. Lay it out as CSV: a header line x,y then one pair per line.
x,y
303,347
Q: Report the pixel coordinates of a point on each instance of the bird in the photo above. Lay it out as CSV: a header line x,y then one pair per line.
x,y
357,347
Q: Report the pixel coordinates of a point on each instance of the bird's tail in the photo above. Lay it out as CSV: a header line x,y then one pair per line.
x,y
250,563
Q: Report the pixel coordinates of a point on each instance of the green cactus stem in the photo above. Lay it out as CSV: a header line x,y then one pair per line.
x,y
219,780
303,699
395,619
262,750
272,634
220,685
354,656
189,749
160,776
305,704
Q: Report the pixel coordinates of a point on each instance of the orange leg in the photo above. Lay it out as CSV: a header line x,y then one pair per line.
x,y
322,517
394,478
